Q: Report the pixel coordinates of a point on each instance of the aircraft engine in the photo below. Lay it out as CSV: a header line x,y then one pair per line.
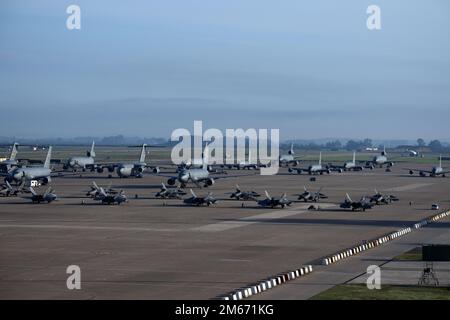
x,y
171,181
209,182
100,170
46,180
155,170
111,169
140,169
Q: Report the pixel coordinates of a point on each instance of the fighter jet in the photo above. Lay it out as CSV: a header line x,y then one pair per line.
x,y
10,162
244,195
434,172
111,198
379,161
48,196
289,158
95,190
273,202
198,201
7,190
83,163
362,204
169,193
379,198
311,196
313,169
348,166
125,170
42,173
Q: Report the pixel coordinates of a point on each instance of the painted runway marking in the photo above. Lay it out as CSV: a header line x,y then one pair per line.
x,y
77,227
231,224
410,187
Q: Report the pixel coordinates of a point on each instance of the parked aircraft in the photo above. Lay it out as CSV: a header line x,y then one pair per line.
x,y
7,190
87,162
312,169
289,158
48,196
311,196
134,169
11,161
379,198
348,166
194,200
111,198
379,161
244,195
434,172
362,204
169,193
197,176
273,202
42,173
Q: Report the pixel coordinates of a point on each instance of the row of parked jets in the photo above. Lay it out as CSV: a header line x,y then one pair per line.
x,y
201,175
109,195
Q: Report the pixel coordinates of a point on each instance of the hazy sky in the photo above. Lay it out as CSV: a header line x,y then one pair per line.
x,y
147,67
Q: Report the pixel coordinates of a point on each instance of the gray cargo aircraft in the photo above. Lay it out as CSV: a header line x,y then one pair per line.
x,y
313,169
379,161
42,173
434,172
134,169
289,158
83,163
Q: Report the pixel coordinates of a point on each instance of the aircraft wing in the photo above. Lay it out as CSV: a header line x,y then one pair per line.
x,y
417,170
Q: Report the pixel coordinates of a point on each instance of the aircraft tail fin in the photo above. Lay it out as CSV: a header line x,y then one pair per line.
x,y
163,186
440,161
142,157
291,150
320,158
193,193
238,188
32,191
12,155
267,194
205,158
48,158
354,156
347,197
92,152
8,185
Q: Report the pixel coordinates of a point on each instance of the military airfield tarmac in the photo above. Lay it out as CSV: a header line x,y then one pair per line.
x,y
145,249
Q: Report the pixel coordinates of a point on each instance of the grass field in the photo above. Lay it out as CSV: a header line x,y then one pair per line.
x,y
387,292
412,255
123,153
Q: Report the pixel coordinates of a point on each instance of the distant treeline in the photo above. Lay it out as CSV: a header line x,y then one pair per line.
x,y
332,145
361,145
